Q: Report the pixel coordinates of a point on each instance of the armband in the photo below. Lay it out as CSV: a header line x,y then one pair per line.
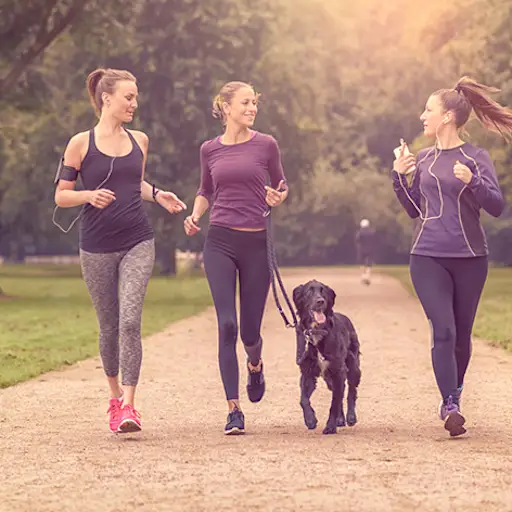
x,y
65,172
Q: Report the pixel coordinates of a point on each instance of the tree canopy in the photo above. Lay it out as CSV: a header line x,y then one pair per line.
x,y
341,83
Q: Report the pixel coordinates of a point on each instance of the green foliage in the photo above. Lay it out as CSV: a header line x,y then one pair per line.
x,y
341,82
48,320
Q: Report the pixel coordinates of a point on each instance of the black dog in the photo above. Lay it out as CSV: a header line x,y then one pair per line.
x,y
327,345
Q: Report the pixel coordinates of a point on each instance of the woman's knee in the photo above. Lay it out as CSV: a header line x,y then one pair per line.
x,y
228,330
130,329
443,335
109,332
250,338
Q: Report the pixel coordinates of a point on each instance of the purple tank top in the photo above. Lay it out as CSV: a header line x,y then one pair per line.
x,y
124,223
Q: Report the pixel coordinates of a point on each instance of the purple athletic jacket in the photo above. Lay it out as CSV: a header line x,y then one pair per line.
x,y
449,225
233,179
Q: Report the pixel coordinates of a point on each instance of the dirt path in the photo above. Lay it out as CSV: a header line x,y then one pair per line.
x,y
56,453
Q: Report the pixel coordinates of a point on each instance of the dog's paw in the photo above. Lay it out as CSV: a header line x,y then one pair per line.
x,y
309,416
329,429
341,422
351,418
311,422
312,425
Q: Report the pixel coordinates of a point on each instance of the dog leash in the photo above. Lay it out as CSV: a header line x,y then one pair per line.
x,y
275,275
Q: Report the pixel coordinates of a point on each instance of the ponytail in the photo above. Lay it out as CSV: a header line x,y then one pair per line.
x,y
92,88
217,110
490,113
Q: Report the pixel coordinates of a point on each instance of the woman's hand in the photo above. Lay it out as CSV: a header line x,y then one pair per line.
x,y
170,202
405,161
101,198
190,225
462,172
275,196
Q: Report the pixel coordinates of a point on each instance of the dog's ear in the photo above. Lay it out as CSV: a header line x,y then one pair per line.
x,y
331,297
298,296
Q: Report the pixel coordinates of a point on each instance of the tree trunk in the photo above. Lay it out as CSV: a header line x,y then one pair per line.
x,y
166,258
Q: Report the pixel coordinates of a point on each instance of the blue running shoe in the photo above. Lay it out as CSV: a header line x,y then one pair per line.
x,y
255,384
236,423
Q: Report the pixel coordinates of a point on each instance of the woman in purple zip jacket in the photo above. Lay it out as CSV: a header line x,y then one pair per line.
x,y
452,182
235,168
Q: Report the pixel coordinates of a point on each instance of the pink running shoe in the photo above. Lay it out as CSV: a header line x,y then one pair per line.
x,y
114,412
130,420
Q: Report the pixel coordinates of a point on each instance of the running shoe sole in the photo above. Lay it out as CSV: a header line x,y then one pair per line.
x,y
455,424
235,431
128,426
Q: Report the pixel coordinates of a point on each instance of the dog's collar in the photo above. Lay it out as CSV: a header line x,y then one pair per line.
x,y
307,337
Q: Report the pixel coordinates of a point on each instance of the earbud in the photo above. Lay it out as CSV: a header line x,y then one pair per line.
x,y
446,120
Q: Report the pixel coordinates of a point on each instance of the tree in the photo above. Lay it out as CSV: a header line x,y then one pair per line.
x,y
341,82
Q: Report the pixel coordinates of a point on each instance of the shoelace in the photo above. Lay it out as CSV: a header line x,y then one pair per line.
x,y
235,413
132,410
450,403
114,411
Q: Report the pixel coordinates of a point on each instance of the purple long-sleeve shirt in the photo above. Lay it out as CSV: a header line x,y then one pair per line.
x,y
449,225
233,179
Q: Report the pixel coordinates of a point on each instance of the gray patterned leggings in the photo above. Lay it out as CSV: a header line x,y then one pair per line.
x,y
117,283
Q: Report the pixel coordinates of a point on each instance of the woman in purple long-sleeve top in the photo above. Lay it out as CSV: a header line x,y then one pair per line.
x,y
451,182
235,170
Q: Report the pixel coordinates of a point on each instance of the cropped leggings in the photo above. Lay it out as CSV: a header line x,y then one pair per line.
x,y
117,283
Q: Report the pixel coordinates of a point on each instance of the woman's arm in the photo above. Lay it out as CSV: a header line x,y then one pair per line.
x,y
485,186
409,196
166,199
146,189
65,194
204,194
278,192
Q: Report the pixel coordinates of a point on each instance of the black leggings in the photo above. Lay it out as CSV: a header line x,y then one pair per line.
x,y
449,290
227,251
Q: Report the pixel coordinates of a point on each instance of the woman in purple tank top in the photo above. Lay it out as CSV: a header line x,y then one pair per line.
x,y
116,239
450,184
241,176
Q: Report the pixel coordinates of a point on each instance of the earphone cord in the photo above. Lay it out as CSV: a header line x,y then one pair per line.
x,y
109,174
441,200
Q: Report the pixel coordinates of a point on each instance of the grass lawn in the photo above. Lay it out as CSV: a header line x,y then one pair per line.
x,y
47,320
494,317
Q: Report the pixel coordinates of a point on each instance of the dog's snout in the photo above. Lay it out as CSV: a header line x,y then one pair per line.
x,y
320,301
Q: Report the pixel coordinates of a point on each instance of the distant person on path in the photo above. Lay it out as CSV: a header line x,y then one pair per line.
x,y
235,169
365,243
450,183
116,240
